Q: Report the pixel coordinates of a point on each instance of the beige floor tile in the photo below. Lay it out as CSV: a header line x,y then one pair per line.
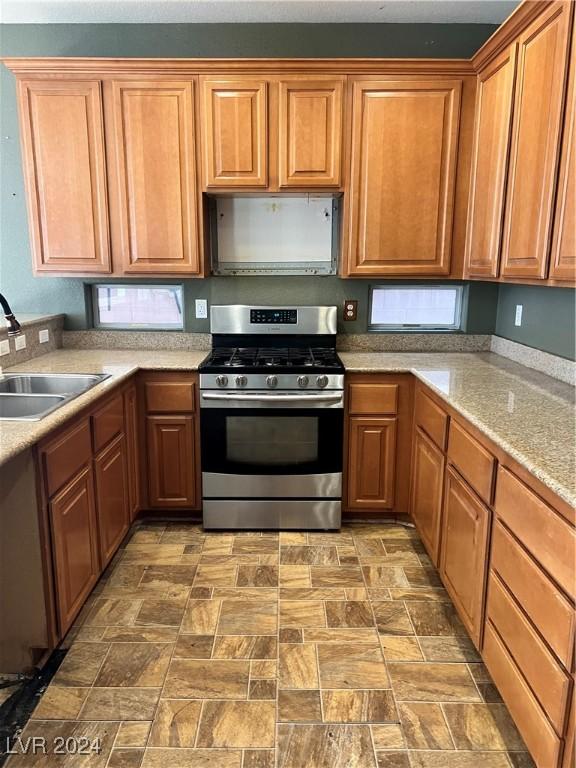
x,y
432,682
336,576
259,758
201,617
192,758
245,593
458,648
459,760
422,577
349,613
169,575
161,612
482,727
175,723
305,593
290,635
424,726
81,665
125,758
392,618
218,544
154,554
135,665
420,594
206,679
237,724
393,760
194,647
350,706
370,548
120,704
262,689
325,746
293,538
215,575
399,545
351,665
254,545
257,576
100,733
297,666
245,647
342,635
438,619
299,707
264,668
302,613
383,576
239,617
140,634
396,648
133,734
308,555
295,576
387,736
59,703
113,612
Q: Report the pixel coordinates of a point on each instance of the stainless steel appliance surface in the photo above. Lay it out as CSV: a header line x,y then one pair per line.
x,y
272,419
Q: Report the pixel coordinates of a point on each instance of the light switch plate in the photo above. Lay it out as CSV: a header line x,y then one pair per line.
x,y
201,309
4,347
518,315
43,335
20,342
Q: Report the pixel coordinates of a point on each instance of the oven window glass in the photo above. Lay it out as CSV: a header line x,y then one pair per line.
x,y
272,441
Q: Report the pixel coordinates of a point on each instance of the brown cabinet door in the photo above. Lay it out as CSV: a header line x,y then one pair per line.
x,y
563,256
235,132
75,547
132,449
310,132
403,172
427,487
489,164
112,500
65,174
371,463
538,110
463,554
171,461
153,176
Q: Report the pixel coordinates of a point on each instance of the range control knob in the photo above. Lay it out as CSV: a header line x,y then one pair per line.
x,y
302,381
272,381
222,381
241,381
322,381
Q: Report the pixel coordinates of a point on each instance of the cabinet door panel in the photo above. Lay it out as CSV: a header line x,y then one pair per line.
x,y
235,133
427,487
112,499
132,449
542,68
65,173
171,461
489,165
156,228
310,133
465,530
563,256
404,156
75,549
371,463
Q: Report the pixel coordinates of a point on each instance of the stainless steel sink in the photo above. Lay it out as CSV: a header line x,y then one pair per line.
x,y
31,396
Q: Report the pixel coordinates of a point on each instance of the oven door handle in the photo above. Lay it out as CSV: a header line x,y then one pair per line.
x,y
227,397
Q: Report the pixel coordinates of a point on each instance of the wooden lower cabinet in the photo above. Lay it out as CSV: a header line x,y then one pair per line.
x,y
171,461
112,498
75,546
427,490
372,460
132,449
463,557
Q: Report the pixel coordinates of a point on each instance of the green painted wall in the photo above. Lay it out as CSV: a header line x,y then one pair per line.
x,y
548,317
29,294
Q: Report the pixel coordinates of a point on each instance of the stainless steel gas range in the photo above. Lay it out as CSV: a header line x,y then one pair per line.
x,y
272,398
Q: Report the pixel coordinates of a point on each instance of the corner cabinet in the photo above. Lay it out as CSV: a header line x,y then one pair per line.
x,y
403,176
62,133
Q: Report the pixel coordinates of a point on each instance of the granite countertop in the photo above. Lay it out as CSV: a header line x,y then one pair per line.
x,y
529,415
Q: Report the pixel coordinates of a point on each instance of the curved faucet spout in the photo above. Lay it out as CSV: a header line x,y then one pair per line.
x,y
13,324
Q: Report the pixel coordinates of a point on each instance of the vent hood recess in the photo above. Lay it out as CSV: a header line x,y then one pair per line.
x,y
274,234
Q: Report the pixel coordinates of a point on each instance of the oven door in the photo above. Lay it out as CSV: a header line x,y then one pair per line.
x,y
268,452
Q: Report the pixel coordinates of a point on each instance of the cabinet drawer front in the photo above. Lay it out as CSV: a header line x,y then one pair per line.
x,y
431,418
543,532
547,608
108,422
63,457
169,396
551,685
541,740
373,398
473,461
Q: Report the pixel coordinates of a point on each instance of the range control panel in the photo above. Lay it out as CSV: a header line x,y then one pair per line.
x,y
274,316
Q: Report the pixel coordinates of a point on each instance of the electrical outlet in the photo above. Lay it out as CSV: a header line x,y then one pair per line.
x,y
4,347
20,342
350,309
201,309
518,315
43,335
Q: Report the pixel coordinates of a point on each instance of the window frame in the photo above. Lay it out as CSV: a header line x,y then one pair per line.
x,y
97,324
419,327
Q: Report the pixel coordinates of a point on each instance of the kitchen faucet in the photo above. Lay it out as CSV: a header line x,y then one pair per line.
x,y
13,324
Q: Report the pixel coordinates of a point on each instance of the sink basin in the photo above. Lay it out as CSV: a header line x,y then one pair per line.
x,y
31,396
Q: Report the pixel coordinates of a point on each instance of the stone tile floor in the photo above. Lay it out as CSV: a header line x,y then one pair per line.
x,y
290,650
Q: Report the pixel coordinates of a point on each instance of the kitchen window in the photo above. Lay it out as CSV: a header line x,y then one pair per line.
x,y
148,307
424,308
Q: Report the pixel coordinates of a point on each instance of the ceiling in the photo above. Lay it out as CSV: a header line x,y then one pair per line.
x,y
270,11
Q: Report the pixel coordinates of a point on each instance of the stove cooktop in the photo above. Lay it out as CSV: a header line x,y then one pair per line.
x,y
272,359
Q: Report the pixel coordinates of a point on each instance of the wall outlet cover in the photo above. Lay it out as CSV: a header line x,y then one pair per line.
x,y
43,335
350,309
20,342
518,315
201,309
4,347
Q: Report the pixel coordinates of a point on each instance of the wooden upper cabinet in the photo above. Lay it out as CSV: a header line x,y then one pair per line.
x,y
153,176
235,132
493,122
563,255
403,174
535,145
65,173
310,132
